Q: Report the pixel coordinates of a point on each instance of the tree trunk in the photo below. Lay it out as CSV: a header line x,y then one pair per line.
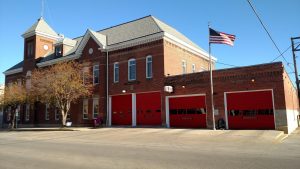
x,y
64,118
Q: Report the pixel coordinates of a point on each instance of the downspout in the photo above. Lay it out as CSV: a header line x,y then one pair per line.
x,y
107,94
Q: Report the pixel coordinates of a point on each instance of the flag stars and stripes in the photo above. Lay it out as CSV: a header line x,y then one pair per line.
x,y
220,37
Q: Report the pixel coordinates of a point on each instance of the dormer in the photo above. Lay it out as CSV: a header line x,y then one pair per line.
x,y
39,40
63,45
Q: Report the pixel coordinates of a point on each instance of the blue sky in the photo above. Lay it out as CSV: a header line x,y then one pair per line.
x,y
190,17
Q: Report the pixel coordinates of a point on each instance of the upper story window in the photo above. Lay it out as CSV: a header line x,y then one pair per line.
x,y
183,63
96,74
193,68
19,82
149,66
29,49
116,72
58,50
85,72
131,69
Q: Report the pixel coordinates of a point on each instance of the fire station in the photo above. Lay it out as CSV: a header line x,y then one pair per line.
x,y
146,73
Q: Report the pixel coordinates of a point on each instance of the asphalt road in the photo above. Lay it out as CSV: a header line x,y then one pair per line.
x,y
134,148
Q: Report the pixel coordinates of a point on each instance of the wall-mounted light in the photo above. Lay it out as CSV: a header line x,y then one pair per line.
x,y
123,91
183,86
253,80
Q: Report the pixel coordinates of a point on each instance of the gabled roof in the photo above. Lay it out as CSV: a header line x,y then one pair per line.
x,y
17,66
41,27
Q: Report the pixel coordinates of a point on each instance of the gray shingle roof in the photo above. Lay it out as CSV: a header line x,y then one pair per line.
x,y
18,65
41,26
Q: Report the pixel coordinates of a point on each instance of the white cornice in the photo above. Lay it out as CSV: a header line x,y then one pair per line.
x,y
13,71
54,61
40,34
187,46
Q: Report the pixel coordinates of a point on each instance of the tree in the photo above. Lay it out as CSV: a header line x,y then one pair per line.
x,y
61,85
14,95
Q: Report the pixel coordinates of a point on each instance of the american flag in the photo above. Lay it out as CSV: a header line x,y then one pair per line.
x,y
220,37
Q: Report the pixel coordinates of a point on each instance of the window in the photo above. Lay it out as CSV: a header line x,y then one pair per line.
x,y
116,72
149,66
96,74
47,112
27,112
131,70
58,50
183,66
193,68
85,108
57,113
18,112
29,49
85,71
95,108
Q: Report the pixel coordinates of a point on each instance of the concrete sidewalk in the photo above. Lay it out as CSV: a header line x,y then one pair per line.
x,y
255,135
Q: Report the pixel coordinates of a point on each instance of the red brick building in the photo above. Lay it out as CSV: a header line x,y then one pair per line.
x,y
134,62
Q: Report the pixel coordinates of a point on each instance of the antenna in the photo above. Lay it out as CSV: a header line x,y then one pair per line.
x,y
42,10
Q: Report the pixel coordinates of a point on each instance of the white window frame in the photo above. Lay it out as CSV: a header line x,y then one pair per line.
x,y
116,66
84,71
96,69
183,64
95,100
193,68
47,113
27,112
129,66
85,101
149,74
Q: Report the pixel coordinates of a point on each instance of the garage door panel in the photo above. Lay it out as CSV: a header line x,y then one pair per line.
x,y
148,106
187,112
250,110
122,110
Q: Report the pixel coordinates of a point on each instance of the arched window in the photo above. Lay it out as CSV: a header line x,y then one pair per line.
x,y
131,69
149,66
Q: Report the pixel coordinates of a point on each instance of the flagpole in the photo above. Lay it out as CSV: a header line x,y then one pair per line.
x,y
211,81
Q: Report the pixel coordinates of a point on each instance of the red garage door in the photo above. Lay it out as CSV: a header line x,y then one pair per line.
x,y
148,108
250,110
188,112
121,110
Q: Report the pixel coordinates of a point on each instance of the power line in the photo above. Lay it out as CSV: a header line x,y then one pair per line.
x,y
226,64
281,54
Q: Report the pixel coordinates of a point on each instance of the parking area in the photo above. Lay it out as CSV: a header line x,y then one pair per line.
x,y
149,148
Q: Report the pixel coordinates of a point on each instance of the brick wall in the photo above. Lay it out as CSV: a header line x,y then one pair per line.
x,y
173,57
266,76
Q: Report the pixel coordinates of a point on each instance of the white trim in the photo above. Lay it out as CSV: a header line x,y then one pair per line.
x,y
133,109
13,71
110,111
149,77
95,99
245,91
185,45
167,111
116,63
176,96
133,59
29,34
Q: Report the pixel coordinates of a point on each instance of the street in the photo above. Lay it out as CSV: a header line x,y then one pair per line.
x,y
147,148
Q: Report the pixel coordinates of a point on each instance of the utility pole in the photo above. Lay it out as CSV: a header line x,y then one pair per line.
x,y
294,49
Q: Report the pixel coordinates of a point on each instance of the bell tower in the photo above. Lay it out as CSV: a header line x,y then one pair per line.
x,y
39,40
